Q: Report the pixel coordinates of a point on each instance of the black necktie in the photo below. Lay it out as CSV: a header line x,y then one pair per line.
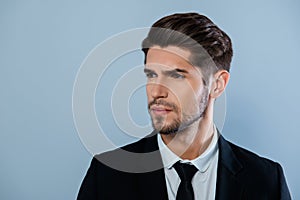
x,y
186,173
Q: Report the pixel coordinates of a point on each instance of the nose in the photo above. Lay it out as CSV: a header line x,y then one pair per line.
x,y
157,90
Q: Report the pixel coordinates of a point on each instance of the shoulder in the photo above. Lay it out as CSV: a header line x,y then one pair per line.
x,y
250,159
256,168
257,174
246,164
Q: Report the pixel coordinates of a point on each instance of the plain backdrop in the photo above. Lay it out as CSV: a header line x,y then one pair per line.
x,y
43,43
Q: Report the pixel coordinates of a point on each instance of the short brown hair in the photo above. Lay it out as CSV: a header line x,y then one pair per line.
x,y
191,31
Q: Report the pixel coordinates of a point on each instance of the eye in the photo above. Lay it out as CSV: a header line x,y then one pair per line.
x,y
150,74
177,76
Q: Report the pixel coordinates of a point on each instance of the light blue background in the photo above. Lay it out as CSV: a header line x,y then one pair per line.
x,y
43,43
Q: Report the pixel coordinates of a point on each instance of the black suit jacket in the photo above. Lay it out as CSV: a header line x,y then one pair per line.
x,y
241,175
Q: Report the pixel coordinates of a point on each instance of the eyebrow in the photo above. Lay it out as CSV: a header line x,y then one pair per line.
x,y
177,70
147,70
168,72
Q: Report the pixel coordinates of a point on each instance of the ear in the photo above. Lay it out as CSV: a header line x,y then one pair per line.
x,y
219,83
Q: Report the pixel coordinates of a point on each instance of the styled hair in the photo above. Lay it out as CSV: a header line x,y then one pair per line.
x,y
210,47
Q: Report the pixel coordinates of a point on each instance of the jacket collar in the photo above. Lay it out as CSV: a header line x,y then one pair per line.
x,y
228,186
227,157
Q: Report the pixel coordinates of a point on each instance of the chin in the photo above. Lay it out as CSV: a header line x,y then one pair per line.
x,y
167,130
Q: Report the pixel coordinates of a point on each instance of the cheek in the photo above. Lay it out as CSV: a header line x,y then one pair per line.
x,y
188,99
187,95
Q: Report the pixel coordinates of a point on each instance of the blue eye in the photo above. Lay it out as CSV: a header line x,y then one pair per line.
x,y
176,75
151,75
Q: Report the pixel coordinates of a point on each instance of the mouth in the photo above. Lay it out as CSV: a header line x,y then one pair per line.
x,y
160,110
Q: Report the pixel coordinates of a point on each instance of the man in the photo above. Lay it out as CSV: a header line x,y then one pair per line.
x,y
187,64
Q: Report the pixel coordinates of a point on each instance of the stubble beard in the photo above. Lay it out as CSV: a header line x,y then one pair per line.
x,y
180,124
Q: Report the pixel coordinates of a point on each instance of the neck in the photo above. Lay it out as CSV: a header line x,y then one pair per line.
x,y
191,142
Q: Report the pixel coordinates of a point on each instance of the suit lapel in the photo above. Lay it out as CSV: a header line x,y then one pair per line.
x,y
228,186
152,185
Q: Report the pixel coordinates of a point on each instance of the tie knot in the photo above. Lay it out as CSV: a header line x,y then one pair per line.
x,y
185,171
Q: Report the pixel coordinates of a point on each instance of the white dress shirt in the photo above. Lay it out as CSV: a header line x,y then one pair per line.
x,y
204,181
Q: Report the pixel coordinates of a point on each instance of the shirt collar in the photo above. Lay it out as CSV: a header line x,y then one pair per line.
x,y
202,162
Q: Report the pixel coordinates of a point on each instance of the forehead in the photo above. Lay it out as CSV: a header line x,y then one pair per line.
x,y
170,56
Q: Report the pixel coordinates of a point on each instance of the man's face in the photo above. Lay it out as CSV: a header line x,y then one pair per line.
x,y
176,94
